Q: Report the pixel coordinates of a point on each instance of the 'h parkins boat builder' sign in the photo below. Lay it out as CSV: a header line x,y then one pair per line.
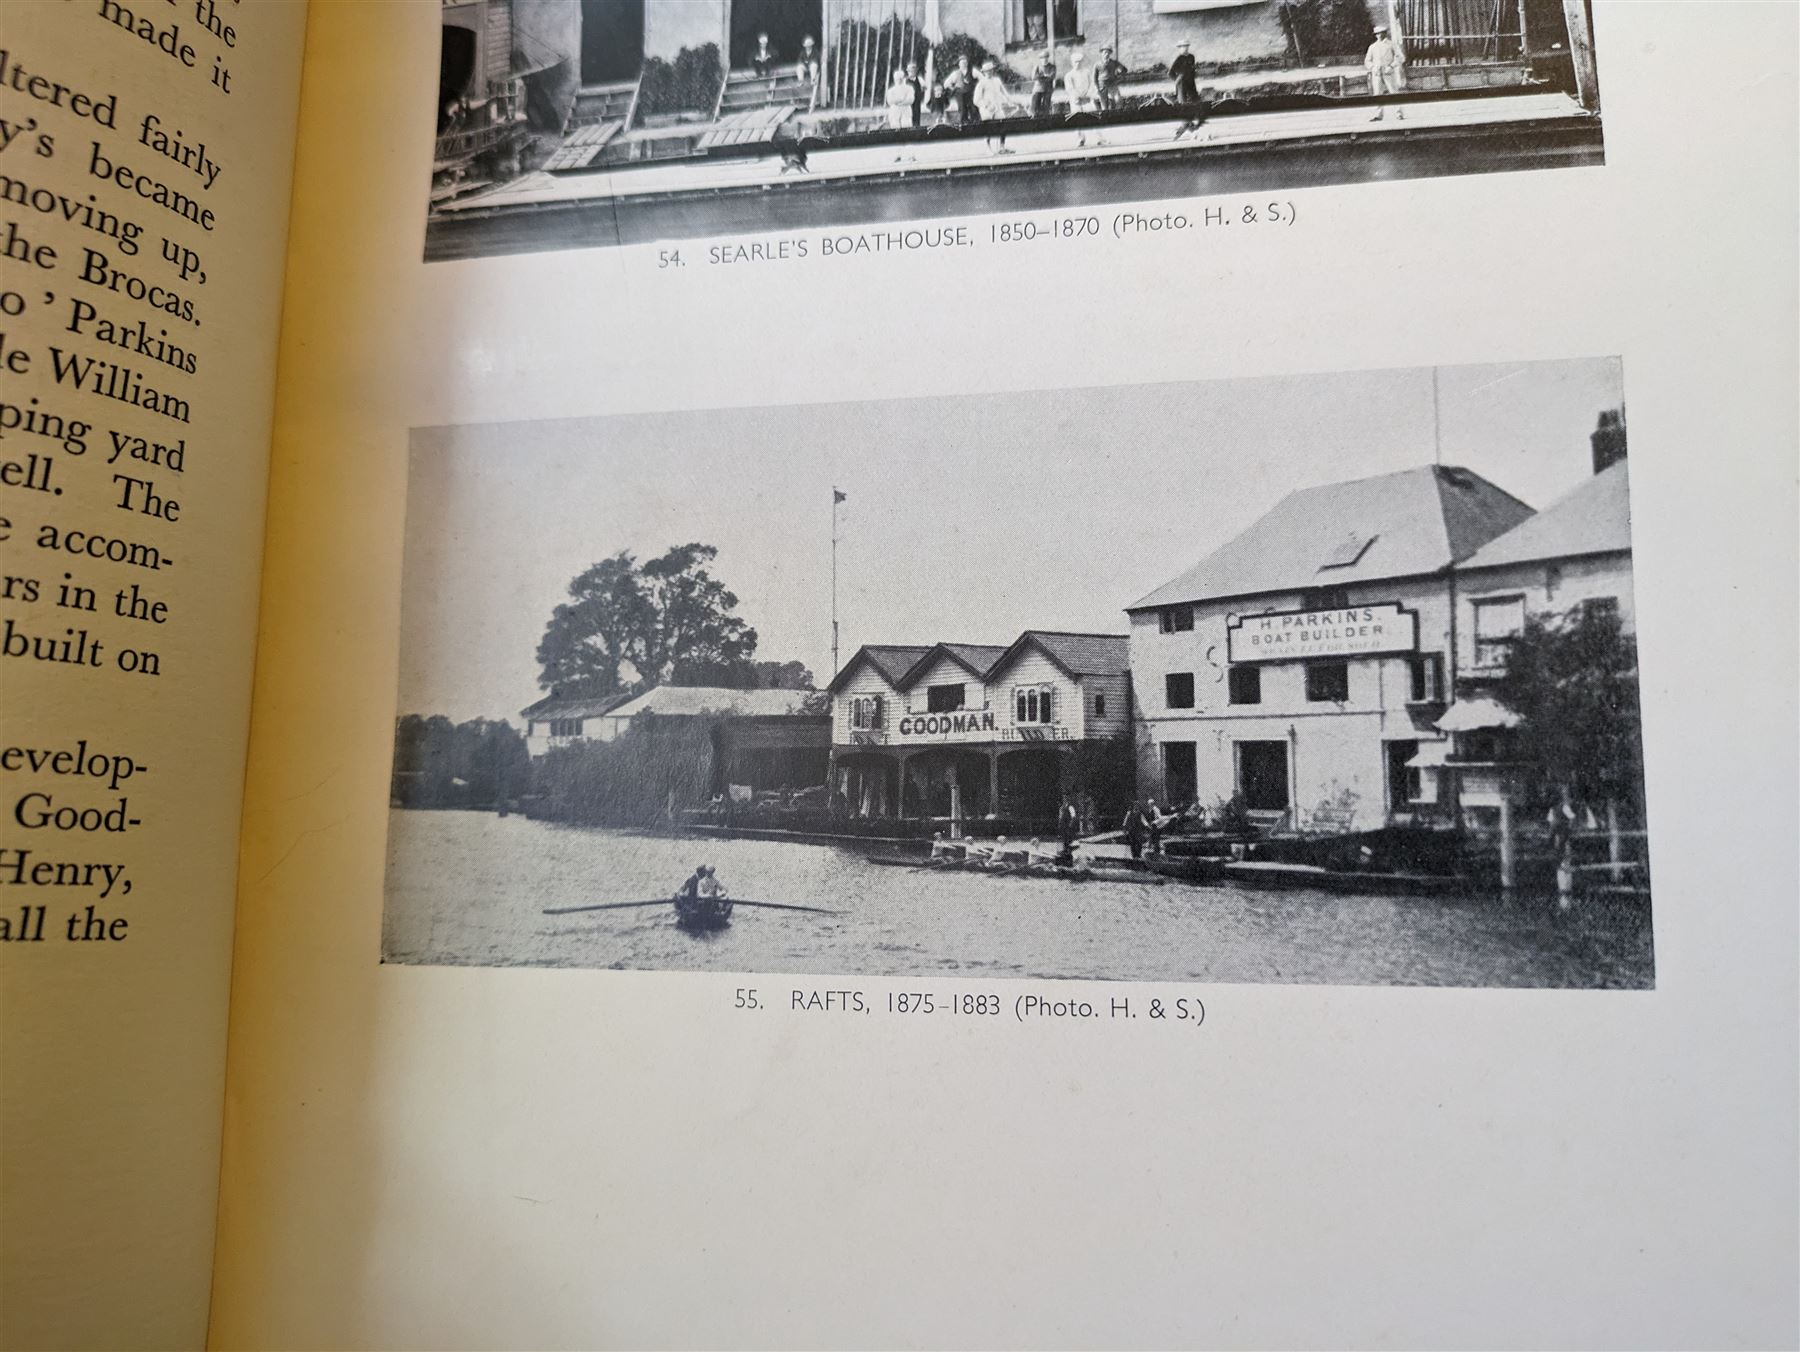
x,y
1298,635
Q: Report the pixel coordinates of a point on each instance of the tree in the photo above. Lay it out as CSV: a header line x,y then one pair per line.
x,y
629,625
784,676
1572,680
480,763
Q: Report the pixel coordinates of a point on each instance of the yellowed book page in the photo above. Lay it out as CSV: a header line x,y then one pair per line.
x,y
429,1152
144,171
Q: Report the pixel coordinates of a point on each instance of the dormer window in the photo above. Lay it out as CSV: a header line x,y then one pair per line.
x,y
944,699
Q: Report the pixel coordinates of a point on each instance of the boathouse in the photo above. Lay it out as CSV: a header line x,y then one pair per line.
x,y
758,740
1304,665
1574,556
962,731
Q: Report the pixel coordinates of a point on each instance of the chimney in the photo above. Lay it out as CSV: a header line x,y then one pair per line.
x,y
1608,439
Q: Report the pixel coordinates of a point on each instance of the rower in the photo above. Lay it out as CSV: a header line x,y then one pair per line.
x,y
709,885
691,888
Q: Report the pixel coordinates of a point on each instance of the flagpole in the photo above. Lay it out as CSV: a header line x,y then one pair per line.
x,y
836,497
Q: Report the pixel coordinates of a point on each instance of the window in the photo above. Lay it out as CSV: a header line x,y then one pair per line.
x,y
1032,704
1037,14
1427,674
1244,685
944,699
1324,598
1178,689
865,713
1328,682
1099,706
1498,620
1177,619
565,727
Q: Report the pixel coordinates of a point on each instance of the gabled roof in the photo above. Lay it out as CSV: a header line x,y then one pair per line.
x,y
1406,524
554,706
1077,655
974,658
689,701
893,661
1593,519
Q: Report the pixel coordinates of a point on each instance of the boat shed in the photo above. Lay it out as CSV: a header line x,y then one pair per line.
x,y
966,730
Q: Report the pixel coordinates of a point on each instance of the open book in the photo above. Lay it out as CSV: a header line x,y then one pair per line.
x,y
929,672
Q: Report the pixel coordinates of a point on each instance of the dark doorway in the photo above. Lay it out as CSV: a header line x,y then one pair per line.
x,y
456,69
1181,773
1031,785
1263,775
612,40
1402,783
785,21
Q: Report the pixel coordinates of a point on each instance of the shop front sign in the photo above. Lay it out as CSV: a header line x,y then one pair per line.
x,y
1302,635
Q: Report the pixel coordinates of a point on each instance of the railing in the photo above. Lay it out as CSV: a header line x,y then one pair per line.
x,y
1457,32
866,41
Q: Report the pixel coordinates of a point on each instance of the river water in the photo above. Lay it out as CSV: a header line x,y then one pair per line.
x,y
1505,148
471,888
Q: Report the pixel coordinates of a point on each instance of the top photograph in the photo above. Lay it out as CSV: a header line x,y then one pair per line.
x,y
567,124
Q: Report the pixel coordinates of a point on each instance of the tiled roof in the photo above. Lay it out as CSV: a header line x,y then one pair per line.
x,y
1405,524
1078,654
1593,519
552,706
688,701
893,661
976,658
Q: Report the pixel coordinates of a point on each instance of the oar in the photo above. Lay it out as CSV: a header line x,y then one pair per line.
x,y
664,901
781,906
607,906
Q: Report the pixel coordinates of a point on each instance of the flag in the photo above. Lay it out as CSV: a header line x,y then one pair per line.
x,y
837,497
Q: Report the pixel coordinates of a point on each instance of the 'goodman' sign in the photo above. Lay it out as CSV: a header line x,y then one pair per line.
x,y
1297,635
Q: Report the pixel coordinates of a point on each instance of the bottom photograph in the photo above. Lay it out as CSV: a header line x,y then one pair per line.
x,y
1326,679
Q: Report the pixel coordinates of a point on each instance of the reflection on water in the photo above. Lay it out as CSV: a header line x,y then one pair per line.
x,y
470,888
1270,167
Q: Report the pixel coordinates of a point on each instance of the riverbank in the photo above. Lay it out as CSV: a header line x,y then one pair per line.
x,y
471,889
1140,162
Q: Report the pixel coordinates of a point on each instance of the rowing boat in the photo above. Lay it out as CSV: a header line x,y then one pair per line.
x,y
1050,872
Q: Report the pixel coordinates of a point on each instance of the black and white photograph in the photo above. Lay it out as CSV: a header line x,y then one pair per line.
x,y
1345,691
567,124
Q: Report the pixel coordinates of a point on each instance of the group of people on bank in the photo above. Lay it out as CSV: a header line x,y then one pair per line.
x,y
967,95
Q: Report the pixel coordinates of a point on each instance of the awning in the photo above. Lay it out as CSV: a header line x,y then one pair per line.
x,y
1474,715
1431,756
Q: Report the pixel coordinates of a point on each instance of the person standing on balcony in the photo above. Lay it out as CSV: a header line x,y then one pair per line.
x,y
1083,91
918,90
1043,86
993,103
959,94
809,71
1184,77
1109,77
1386,63
899,100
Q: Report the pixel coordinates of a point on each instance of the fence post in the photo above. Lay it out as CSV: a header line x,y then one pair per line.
x,y
1581,49
1506,843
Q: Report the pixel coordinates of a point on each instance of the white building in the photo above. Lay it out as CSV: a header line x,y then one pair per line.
x,y
553,722
1303,666
1574,555
972,730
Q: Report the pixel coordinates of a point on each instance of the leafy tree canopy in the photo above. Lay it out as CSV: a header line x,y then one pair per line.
x,y
1572,680
629,625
